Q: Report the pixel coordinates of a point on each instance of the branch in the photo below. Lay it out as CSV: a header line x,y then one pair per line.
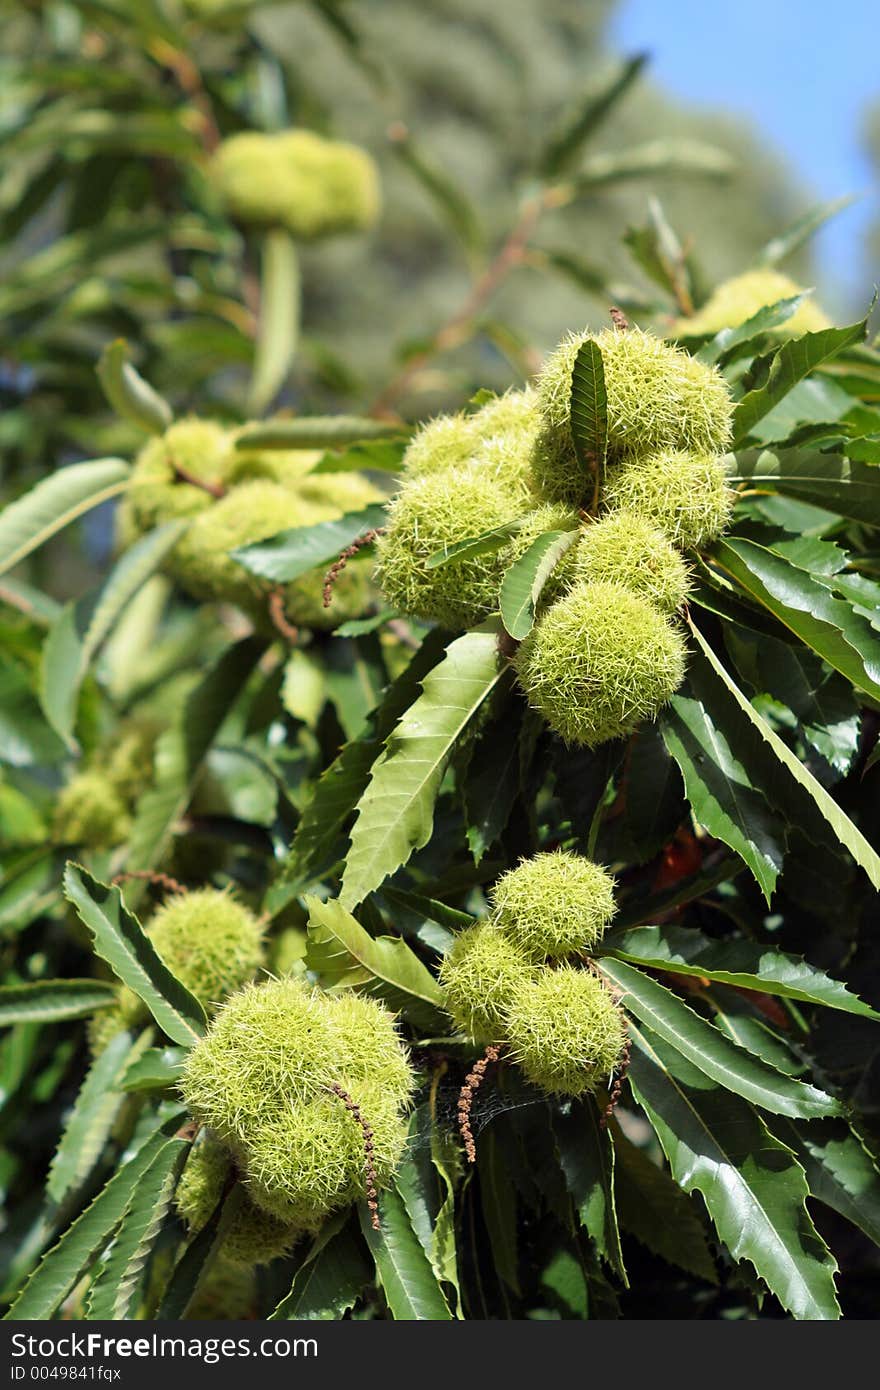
x,y
459,327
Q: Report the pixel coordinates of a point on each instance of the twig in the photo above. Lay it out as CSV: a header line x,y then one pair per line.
x,y
15,600
278,616
165,881
472,1083
189,79
338,566
369,1154
457,329
215,489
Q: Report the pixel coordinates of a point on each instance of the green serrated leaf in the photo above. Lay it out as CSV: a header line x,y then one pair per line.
x,y
92,1117
471,546
330,1279
524,582
54,503
336,793
810,797
157,1069
827,625
114,1291
341,951
396,812
720,790
791,363
589,414
130,396
753,1186
408,1281
50,1001
63,1265
292,553
730,343
706,1048
685,951
121,941
199,1257
823,480
840,1171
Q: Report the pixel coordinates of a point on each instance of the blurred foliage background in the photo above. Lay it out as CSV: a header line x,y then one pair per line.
x,y
109,227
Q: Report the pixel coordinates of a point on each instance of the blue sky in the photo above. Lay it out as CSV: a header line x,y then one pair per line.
x,y
802,71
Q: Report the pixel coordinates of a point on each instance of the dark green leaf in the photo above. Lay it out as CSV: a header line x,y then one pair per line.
x,y
827,625
685,951
337,791
499,1207
823,480
589,413
114,1291
199,1257
711,1052
840,1171
491,785
405,1273
587,1157
330,1279
754,1188
805,798
91,1119
720,790
656,1211
120,940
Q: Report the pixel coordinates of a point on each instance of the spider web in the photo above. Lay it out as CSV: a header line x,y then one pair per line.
x,y
489,1101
